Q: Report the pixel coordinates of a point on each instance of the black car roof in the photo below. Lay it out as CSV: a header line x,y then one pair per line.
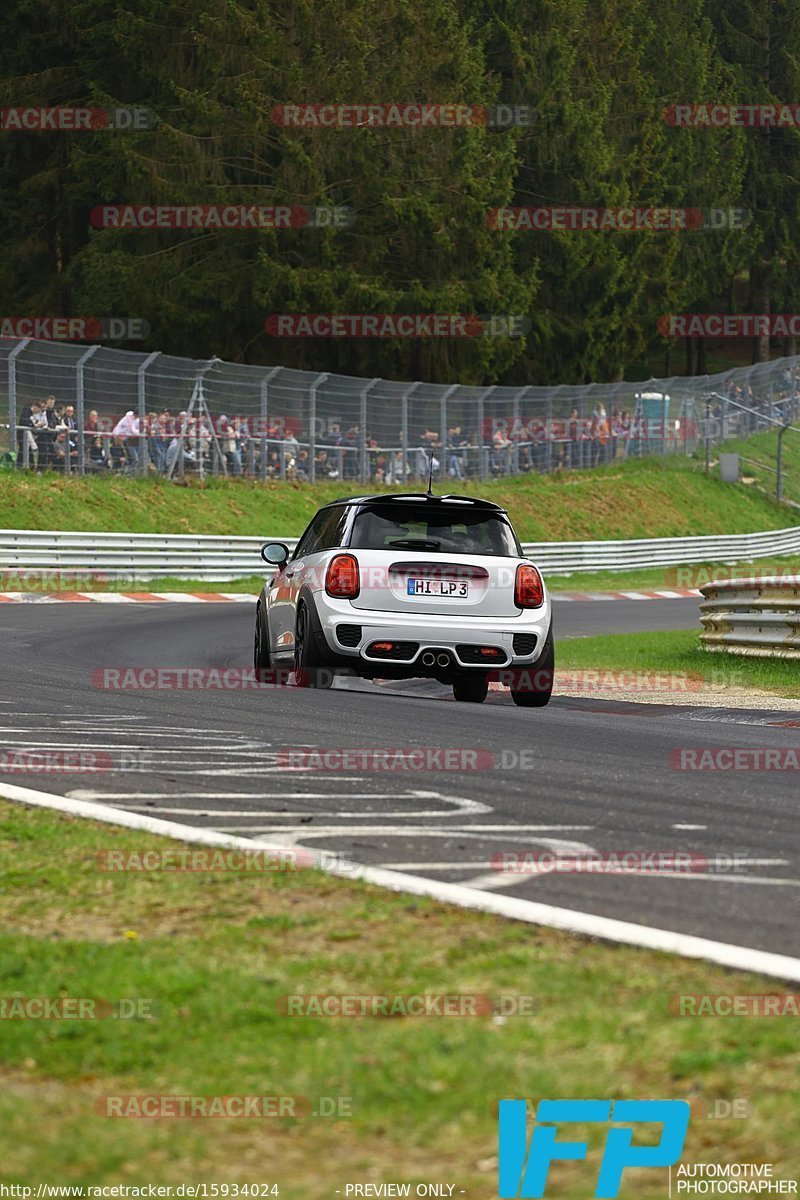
x,y
416,497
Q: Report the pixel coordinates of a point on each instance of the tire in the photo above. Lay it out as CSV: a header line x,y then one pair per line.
x,y
310,668
471,688
261,658
539,696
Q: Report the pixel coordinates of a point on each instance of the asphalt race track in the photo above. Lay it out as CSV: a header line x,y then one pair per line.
x,y
596,776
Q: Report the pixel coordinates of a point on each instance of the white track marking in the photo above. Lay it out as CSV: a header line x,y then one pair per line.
x,y
477,832
501,879
461,806
742,958
690,827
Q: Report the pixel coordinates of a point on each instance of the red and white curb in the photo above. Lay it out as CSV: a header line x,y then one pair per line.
x,y
248,597
660,594
741,958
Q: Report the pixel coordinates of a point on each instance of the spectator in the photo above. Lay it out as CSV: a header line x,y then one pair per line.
x,y
26,442
229,444
575,440
118,454
127,431
156,442
501,453
63,452
97,459
455,446
46,436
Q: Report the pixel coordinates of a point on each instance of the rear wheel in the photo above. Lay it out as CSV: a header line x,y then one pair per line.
x,y
471,688
310,668
261,659
537,680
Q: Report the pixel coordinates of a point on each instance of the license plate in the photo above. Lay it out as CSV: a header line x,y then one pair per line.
x,y
456,589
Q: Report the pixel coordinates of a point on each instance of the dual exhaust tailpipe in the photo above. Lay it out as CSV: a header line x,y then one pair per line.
x,y
441,660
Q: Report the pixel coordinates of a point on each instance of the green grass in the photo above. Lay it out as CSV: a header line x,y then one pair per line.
x,y
638,498
214,953
678,653
761,452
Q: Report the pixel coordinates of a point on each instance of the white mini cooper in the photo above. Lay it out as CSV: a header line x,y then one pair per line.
x,y
398,586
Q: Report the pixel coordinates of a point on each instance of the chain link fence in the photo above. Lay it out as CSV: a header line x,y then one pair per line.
x,y
91,409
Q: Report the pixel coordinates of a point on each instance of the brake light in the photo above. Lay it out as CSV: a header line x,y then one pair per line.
x,y
528,588
342,579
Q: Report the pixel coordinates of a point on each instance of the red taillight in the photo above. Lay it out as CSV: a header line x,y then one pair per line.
x,y
528,588
342,579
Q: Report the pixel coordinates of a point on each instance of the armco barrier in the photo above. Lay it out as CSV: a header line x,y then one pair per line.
x,y
756,618
143,556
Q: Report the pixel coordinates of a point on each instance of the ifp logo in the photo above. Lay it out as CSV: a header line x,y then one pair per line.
x,y
523,1170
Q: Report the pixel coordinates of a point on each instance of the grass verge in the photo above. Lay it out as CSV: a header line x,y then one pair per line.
x,y
669,497
678,654
214,954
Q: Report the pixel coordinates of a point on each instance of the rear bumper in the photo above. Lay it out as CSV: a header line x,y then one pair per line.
x,y
427,633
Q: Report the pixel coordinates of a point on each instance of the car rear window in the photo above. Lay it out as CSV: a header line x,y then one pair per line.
x,y
433,530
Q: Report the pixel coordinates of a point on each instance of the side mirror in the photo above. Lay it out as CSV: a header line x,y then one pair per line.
x,y
275,553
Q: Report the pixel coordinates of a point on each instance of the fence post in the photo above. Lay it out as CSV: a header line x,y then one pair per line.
x,y
444,454
312,426
407,394
482,443
80,397
141,394
265,382
362,417
12,395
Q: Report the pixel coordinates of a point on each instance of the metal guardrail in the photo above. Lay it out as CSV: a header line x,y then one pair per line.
x,y
138,556
757,618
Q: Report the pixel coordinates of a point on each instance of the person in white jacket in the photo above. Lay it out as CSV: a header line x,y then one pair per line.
x,y
129,428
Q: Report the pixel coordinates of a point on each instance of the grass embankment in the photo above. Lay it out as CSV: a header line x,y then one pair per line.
x,y
214,953
678,654
637,498
760,453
